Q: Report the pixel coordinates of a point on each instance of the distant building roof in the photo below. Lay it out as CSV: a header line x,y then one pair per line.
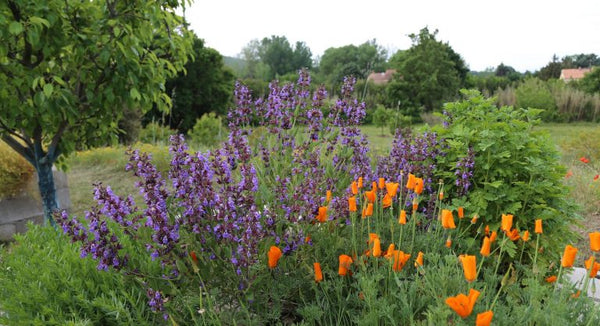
x,y
380,78
573,74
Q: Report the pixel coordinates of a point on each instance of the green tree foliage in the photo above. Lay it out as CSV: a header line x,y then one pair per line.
x,y
428,74
551,70
590,83
381,117
534,93
351,60
581,60
205,86
70,68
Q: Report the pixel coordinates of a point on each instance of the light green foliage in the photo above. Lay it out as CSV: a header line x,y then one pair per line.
x,y
208,130
15,171
46,282
381,116
534,93
428,73
155,133
516,171
591,82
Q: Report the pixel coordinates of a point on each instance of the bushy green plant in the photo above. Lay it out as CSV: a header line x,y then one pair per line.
x,y
15,171
208,130
46,282
534,93
516,170
155,133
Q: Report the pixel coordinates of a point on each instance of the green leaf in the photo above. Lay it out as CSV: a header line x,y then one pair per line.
x,y
48,89
135,95
59,80
494,184
15,28
39,21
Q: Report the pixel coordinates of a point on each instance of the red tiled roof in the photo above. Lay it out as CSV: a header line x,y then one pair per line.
x,y
570,74
381,77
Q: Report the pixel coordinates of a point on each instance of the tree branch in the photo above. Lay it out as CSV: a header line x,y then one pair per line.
x,y
53,151
26,152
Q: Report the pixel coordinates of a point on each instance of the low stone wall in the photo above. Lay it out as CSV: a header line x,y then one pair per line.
x,y
17,211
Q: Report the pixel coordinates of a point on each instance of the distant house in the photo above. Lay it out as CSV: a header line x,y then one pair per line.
x,y
380,78
568,75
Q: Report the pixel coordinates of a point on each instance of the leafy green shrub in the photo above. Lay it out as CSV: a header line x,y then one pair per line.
x,y
516,170
208,130
154,133
15,171
534,93
46,282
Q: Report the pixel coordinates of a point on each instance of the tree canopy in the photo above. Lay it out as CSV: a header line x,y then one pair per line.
x,y
70,68
352,60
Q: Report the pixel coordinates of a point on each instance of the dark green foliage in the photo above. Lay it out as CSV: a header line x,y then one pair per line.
x,y
45,282
551,70
204,87
591,82
516,169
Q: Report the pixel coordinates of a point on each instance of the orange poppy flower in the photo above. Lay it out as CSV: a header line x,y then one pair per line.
x,y
448,219
400,259
352,204
485,247
370,196
493,236
368,211
507,221
584,160
328,196
592,266
392,188
419,260
389,253
487,230
419,186
568,257
595,241
354,187
461,212
441,196
538,226
462,304
525,236
402,218
410,184
344,266
551,279
307,239
569,174
387,201
322,217
372,237
484,318
448,242
194,257
376,248
274,255
374,187
474,219
469,264
360,182
596,177
513,235
318,273
381,183
576,294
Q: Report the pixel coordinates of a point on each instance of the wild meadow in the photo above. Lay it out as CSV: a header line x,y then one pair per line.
x,y
299,218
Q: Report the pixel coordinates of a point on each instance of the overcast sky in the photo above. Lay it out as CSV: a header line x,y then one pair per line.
x,y
524,34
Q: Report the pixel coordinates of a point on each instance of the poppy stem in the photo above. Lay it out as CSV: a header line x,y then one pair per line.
x,y
537,246
500,254
558,277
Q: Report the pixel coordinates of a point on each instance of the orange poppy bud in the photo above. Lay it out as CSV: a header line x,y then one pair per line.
x,y
525,236
461,212
372,237
551,279
410,184
513,234
368,211
400,259
376,248
381,183
354,188
469,264
374,187
448,219
387,201
462,304
370,196
568,257
392,188
596,177
507,221
328,196
274,255
322,216
592,266
448,242
441,196
595,241
576,294
485,247
352,204
194,257
402,218
484,318
415,205
419,260
584,160
344,266
487,230
360,182
419,186
493,236
474,219
538,226
318,273
569,174
307,239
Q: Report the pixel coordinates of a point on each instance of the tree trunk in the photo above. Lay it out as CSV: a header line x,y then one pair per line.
x,y
47,191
